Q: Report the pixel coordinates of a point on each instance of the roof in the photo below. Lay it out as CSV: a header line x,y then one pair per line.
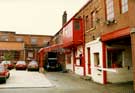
x,y
25,34
74,15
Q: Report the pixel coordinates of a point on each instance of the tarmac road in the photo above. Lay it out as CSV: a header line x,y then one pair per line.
x,y
70,83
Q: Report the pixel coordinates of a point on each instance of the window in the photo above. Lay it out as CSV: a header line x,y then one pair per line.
x,y
30,54
45,43
80,55
96,59
114,57
93,19
4,38
19,39
76,25
33,40
79,60
87,22
1,55
79,17
124,6
16,55
109,9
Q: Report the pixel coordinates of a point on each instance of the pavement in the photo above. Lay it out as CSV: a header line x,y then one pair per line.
x,y
26,79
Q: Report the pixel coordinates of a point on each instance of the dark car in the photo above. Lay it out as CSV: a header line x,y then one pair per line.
x,y
53,65
8,63
4,73
21,65
33,66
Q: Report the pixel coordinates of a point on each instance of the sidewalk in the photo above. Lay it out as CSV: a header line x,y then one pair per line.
x,y
24,79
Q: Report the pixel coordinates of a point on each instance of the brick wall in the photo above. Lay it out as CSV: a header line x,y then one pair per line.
x,y
122,20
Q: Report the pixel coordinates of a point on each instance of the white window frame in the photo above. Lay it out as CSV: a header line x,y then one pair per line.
x,y
124,6
110,9
19,39
30,54
4,38
33,40
93,19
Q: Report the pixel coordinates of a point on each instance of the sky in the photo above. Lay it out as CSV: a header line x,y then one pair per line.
x,y
42,17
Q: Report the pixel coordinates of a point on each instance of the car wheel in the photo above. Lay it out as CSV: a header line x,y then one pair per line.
x,y
4,81
8,75
28,69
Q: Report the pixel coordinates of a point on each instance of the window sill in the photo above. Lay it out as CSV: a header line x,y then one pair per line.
x,y
91,29
78,66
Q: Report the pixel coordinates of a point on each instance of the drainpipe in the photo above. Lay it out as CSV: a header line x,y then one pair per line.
x,y
41,68
74,59
104,63
132,34
83,28
84,60
24,56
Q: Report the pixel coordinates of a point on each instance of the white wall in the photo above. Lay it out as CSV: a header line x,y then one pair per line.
x,y
121,75
95,47
113,75
79,70
69,67
127,57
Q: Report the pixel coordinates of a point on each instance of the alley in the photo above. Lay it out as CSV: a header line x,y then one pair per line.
x,y
70,83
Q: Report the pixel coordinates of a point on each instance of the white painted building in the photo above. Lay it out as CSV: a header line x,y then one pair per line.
x,y
75,63
94,58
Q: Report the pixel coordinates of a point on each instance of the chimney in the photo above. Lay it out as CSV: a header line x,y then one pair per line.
x,y
64,18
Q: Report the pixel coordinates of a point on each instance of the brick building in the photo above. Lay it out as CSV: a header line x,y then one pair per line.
x,y
21,46
56,46
109,40
108,48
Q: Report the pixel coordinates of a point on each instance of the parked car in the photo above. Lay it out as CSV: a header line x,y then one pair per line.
x,y
4,73
52,64
21,65
33,66
8,64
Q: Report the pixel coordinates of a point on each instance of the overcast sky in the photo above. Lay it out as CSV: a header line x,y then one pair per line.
x,y
36,16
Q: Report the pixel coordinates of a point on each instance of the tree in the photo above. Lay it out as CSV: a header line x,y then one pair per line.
x,y
8,56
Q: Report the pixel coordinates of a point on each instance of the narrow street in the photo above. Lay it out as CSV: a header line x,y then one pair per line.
x,y
58,82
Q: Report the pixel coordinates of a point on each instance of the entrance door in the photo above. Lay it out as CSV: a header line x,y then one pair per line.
x,y
89,62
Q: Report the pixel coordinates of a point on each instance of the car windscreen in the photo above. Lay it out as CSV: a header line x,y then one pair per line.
x,y
6,62
21,62
33,63
2,68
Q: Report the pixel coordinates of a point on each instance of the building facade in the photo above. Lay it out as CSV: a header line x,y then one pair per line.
x,y
108,48
108,26
21,46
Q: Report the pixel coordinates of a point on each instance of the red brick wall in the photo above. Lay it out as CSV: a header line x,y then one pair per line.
x,y
122,20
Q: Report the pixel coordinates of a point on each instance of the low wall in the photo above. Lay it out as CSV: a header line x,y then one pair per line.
x,y
121,75
79,70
